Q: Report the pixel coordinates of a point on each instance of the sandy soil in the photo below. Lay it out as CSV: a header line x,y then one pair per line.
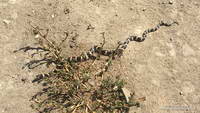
x,y
165,68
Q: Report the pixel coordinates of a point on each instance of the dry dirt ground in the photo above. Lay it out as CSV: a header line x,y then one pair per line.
x,y
165,68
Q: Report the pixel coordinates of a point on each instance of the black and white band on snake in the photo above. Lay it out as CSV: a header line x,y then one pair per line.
x,y
122,45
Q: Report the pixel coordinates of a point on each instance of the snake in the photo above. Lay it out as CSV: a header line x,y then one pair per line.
x,y
121,45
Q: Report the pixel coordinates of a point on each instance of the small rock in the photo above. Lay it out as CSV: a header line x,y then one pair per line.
x,y
90,27
6,21
37,36
144,9
33,11
171,2
163,3
53,15
66,11
181,3
181,93
115,88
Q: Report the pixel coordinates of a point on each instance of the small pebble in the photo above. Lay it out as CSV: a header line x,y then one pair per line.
x,y
37,36
66,11
171,2
33,11
144,9
52,16
6,21
181,93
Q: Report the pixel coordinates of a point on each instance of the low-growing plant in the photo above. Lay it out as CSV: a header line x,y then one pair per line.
x,y
74,87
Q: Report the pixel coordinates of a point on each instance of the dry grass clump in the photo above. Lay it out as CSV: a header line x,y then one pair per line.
x,y
74,87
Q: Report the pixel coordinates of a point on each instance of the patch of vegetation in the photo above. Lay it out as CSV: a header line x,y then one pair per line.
x,y
74,87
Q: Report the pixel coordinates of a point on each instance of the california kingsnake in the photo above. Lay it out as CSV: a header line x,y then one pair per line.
x,y
121,45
